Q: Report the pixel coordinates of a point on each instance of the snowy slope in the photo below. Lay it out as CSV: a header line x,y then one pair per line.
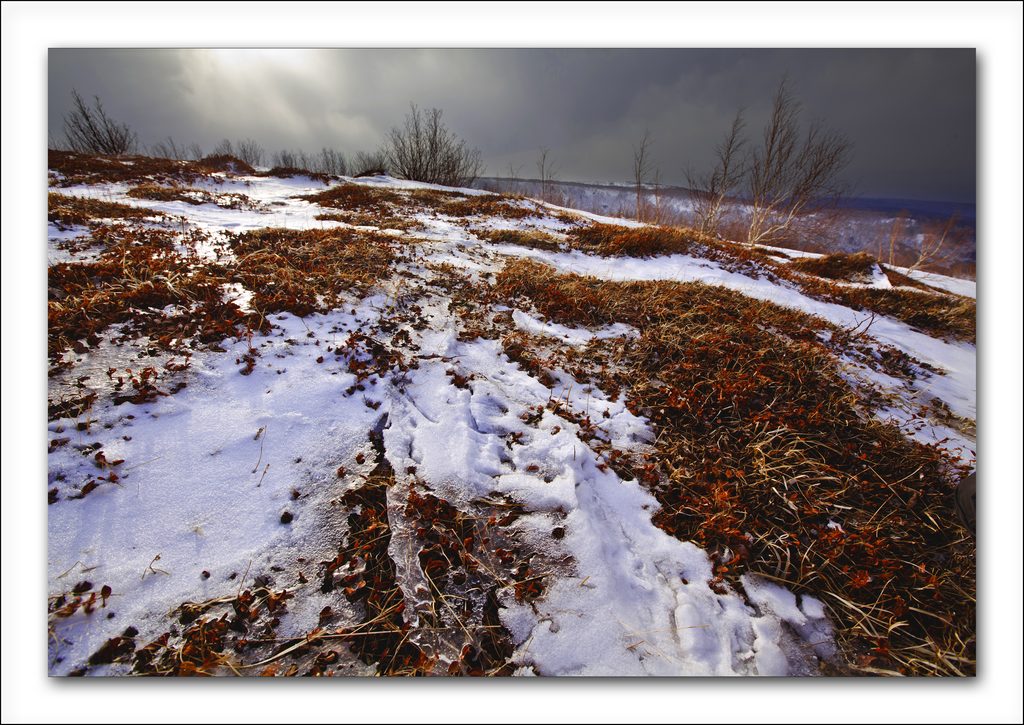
x,y
236,477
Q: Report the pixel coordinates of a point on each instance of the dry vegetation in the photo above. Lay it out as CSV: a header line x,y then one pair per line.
x,y
490,205
937,313
363,205
193,196
653,241
304,271
766,460
73,168
844,267
532,239
765,455
67,211
139,273
287,172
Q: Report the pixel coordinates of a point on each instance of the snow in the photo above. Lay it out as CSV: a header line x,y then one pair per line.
x,y
956,386
209,470
576,336
962,287
207,474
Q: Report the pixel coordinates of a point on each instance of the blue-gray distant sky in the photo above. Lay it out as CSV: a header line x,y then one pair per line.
x,y
910,113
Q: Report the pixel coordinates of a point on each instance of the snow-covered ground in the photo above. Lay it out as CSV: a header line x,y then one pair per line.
x,y
196,510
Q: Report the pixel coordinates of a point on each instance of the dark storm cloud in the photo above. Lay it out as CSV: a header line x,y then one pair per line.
x,y
909,113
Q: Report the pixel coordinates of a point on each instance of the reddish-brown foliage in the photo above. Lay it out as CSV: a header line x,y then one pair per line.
x,y
304,271
767,460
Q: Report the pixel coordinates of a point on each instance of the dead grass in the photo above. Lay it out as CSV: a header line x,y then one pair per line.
x,y
358,198
766,460
193,196
369,220
66,211
932,311
937,314
156,192
609,240
490,205
74,168
138,274
305,271
287,172
844,267
518,237
224,163
898,279
363,205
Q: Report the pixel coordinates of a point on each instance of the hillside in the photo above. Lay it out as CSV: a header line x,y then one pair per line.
x,y
368,426
856,225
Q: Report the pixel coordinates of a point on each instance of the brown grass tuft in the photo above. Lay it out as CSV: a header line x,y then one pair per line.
x,y
844,267
305,271
287,172
67,211
358,198
493,205
193,196
766,459
74,168
225,164
610,240
532,239
138,274
898,279
937,314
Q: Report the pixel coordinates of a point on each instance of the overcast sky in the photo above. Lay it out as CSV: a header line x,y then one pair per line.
x,y
909,113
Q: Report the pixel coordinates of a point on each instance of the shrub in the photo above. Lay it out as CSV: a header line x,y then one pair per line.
x,y
373,163
92,131
425,150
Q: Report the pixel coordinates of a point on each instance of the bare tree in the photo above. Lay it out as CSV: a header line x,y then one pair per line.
x,y
641,171
224,148
331,162
547,172
658,215
250,152
896,231
166,149
932,247
792,174
370,163
285,159
512,186
56,144
424,149
709,192
169,149
90,130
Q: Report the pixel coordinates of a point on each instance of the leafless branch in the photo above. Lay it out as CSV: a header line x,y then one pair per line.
x,y
90,130
424,149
